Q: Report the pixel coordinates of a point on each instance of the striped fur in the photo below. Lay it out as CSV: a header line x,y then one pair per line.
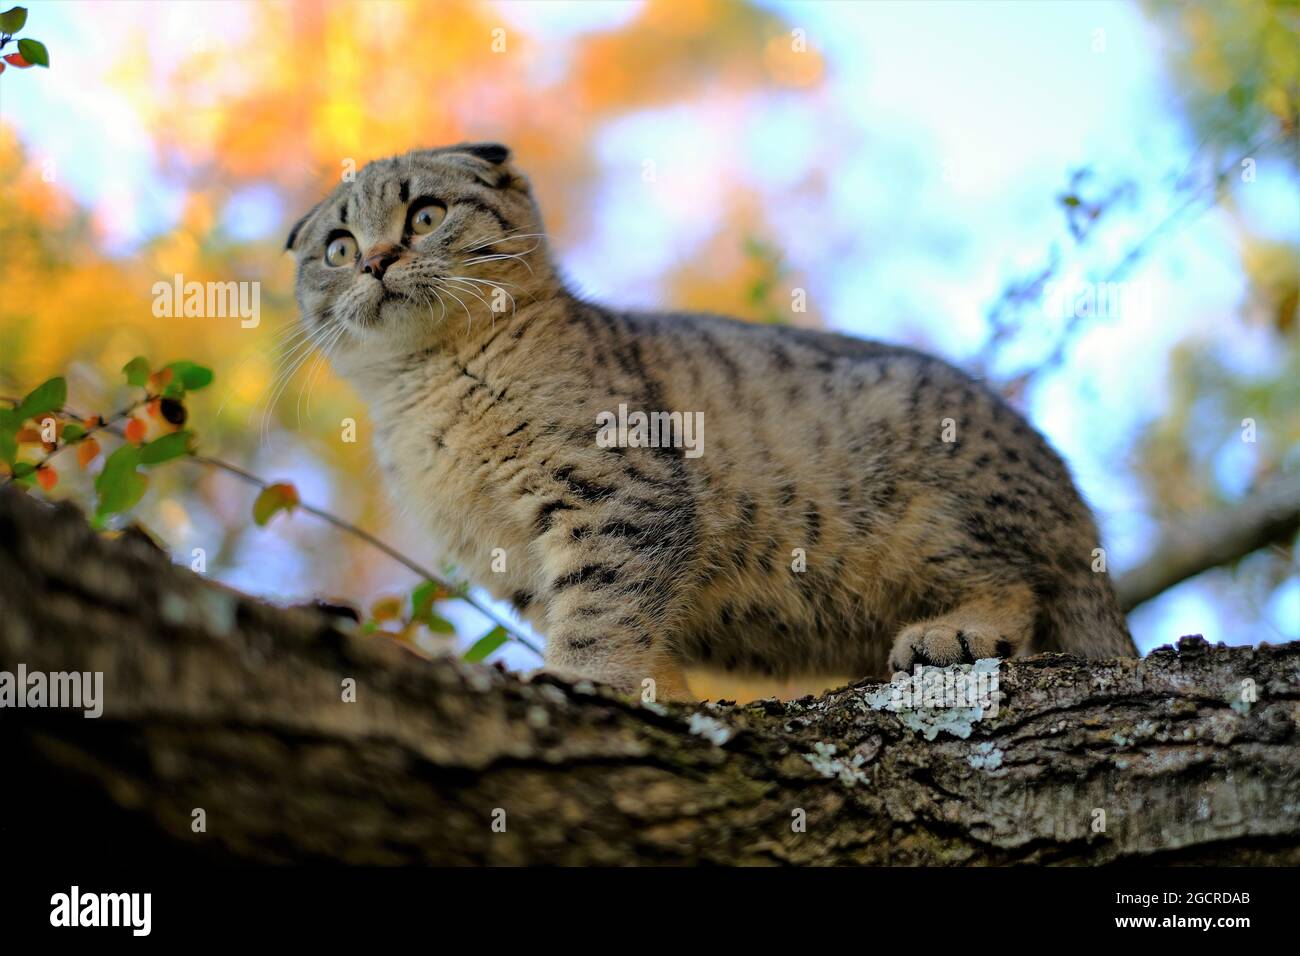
x,y
635,561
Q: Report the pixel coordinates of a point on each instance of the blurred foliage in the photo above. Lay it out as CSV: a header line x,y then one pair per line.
x,y
1236,66
1212,408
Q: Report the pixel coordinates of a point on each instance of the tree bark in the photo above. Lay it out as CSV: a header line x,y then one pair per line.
x,y
218,702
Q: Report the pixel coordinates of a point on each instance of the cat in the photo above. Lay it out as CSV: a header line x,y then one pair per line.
x,y
849,506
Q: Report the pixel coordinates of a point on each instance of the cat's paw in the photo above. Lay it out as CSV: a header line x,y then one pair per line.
x,y
624,684
662,685
553,675
940,643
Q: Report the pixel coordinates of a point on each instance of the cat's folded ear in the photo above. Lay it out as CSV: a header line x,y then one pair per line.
x,y
494,153
501,175
297,228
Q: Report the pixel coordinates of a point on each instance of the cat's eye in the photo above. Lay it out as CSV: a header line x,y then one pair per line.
x,y
426,217
341,250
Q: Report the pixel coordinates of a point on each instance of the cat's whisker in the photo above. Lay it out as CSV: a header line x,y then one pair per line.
x,y
468,315
497,287
302,346
313,341
497,257
321,360
428,304
441,302
310,377
311,373
467,288
280,338
492,285
508,234
477,245
470,289
503,252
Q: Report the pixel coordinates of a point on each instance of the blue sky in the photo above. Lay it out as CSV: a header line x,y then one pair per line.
x,y
943,132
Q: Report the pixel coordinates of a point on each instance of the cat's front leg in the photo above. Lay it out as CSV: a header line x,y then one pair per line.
x,y
612,604
594,634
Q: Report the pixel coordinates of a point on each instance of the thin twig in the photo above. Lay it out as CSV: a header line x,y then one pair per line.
x,y
1130,258
459,591
370,539
104,425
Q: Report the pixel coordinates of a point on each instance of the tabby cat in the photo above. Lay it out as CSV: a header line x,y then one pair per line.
x,y
851,506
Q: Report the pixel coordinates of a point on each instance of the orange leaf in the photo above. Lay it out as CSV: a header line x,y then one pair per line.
x,y
16,59
135,431
86,452
154,407
280,496
386,609
29,436
47,477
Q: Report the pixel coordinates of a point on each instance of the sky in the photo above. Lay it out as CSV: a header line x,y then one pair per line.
x,y
942,130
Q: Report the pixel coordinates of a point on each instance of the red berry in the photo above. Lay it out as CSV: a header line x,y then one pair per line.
x,y
173,411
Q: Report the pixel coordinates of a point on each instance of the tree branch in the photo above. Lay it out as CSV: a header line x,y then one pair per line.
x,y
219,702
1270,515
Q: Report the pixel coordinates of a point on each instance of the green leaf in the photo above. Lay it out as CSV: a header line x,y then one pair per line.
x,y
46,397
120,486
72,431
281,496
34,52
173,389
137,371
175,445
9,423
12,20
436,623
422,598
23,468
486,644
190,375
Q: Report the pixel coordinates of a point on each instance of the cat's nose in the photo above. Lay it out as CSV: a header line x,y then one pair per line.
x,y
379,258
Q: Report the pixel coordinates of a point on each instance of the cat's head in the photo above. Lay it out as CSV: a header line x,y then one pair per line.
x,y
416,246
